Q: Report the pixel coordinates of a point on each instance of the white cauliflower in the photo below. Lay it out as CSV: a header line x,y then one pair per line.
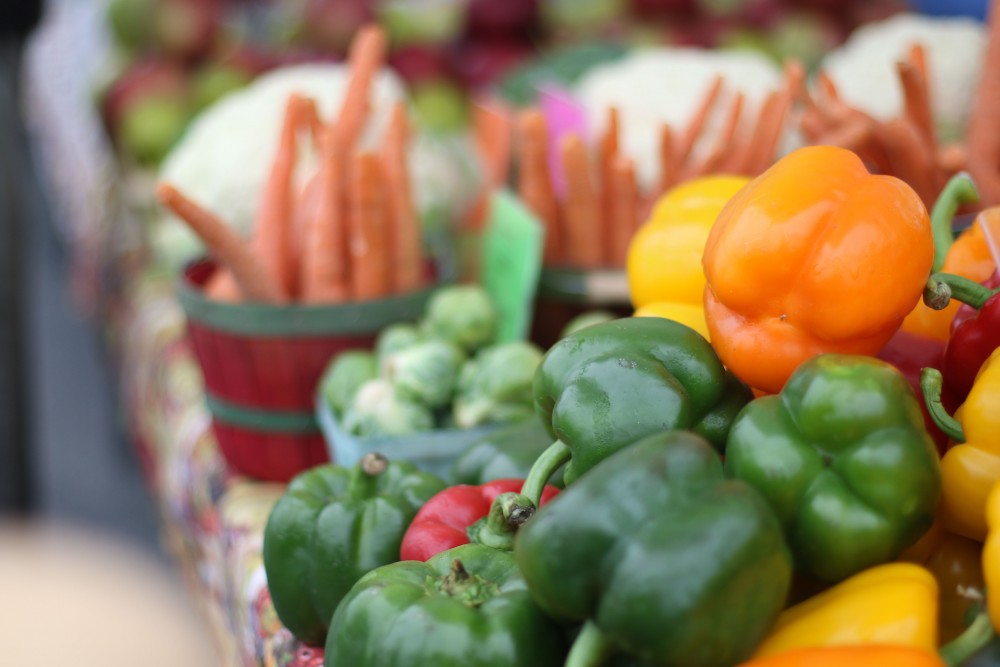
x,y
654,86
864,67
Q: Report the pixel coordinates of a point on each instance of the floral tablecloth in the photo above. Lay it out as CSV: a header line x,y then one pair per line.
x,y
213,520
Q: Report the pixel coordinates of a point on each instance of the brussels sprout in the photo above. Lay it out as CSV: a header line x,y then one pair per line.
x,y
343,376
495,386
377,409
463,315
584,320
392,339
426,372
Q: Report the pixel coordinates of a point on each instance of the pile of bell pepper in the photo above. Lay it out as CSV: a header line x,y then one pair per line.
x,y
768,495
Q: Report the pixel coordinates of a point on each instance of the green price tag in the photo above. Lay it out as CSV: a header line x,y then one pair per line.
x,y
511,263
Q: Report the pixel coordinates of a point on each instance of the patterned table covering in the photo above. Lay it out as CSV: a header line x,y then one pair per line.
x,y
213,520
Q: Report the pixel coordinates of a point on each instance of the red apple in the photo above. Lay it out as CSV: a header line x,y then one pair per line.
x,y
420,63
331,24
481,62
661,8
152,76
186,29
493,18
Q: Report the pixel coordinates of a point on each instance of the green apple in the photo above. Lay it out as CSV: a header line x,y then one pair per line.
x,y
441,106
214,81
151,126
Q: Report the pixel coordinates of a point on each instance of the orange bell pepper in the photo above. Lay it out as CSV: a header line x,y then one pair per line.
x,y
967,256
851,656
815,255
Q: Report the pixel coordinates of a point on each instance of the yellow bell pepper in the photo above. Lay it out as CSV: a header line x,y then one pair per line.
x,y
894,604
969,470
991,555
665,274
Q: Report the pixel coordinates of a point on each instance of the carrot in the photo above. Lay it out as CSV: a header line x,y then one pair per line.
x,y
795,80
768,130
221,286
723,142
492,132
534,184
272,226
583,214
909,158
852,135
917,104
366,57
983,136
668,165
403,225
607,153
324,266
697,123
952,158
310,119
248,270
625,209
370,253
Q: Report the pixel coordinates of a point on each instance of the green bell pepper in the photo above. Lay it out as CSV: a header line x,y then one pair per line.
x,y
503,454
660,555
465,607
333,525
610,384
844,459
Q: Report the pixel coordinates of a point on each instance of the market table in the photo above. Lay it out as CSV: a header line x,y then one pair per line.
x,y
212,519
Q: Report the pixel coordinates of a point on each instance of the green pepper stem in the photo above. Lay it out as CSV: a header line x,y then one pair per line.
x,y
497,528
975,637
364,477
547,463
590,649
941,288
930,386
961,189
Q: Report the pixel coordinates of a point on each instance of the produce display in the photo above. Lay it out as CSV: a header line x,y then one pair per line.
x,y
784,454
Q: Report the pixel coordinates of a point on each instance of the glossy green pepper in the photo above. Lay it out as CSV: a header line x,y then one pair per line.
x,y
844,459
610,384
503,454
663,557
465,607
333,525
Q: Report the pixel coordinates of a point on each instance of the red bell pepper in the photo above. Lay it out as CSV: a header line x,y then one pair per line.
x,y
975,333
910,352
446,520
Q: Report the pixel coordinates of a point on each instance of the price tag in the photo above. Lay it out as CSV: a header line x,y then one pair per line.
x,y
511,263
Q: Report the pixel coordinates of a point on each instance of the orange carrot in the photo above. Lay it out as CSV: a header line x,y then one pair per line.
x,y
492,133
852,135
324,266
221,286
582,206
249,271
917,104
371,276
403,225
697,123
952,158
795,80
607,153
625,212
272,226
983,136
366,58
723,143
534,184
310,119
768,130
668,164
909,158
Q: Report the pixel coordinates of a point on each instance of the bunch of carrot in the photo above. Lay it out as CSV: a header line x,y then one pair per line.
x,y
352,233
908,146
591,225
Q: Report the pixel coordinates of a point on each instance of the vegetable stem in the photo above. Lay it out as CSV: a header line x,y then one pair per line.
x,y
363,482
960,189
591,648
976,636
547,463
497,529
943,287
930,386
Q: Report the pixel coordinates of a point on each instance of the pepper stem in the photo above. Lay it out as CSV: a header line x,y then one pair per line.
x,y
930,386
364,477
961,189
547,463
590,649
507,513
941,288
975,637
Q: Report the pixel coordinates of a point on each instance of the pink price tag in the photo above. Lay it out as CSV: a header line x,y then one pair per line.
x,y
989,222
563,115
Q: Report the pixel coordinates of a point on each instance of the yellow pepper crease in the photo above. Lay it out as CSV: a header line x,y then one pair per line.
x,y
991,555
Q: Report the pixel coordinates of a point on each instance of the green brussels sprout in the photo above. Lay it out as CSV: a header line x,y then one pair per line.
x,y
392,339
462,314
496,385
426,372
377,409
343,376
584,320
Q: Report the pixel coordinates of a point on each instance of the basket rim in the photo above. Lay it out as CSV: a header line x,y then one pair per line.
x,y
361,318
259,419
